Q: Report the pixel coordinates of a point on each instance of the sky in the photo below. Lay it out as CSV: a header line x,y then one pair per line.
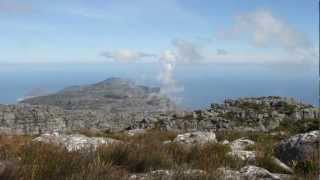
x,y
281,36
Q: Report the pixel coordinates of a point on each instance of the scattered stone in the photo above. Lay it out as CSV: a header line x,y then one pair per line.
x,y
254,172
225,142
247,173
168,174
198,137
75,142
244,155
241,144
134,132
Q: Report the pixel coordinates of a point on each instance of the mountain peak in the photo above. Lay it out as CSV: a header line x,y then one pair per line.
x,y
115,81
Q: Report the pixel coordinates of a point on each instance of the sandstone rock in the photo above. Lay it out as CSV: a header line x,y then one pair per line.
x,y
244,155
198,137
241,144
238,149
299,147
75,142
134,132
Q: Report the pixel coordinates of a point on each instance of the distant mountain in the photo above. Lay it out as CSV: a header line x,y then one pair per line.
x,y
110,95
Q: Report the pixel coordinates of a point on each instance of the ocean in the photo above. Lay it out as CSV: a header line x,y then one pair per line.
x,y
202,84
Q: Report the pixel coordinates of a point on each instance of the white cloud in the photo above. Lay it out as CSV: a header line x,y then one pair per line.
x,y
187,51
267,30
126,55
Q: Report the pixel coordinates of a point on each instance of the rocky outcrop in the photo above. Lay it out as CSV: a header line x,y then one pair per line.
x,y
75,142
196,138
28,119
244,114
118,105
300,147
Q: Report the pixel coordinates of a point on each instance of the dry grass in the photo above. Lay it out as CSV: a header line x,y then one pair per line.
x,y
140,154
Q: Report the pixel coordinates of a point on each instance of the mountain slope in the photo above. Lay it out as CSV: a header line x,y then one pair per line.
x,y
111,95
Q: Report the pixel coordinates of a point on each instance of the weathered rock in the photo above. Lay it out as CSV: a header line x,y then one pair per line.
x,y
247,173
225,142
243,155
238,149
299,147
193,138
75,142
28,119
134,132
169,174
241,144
254,172
118,105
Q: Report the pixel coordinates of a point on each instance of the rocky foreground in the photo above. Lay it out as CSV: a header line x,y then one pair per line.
x,y
115,129
151,154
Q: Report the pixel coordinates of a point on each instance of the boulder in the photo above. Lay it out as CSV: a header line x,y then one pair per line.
x,y
299,147
75,142
198,137
8,169
238,149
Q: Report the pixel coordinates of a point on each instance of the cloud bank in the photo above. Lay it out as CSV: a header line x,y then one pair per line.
x,y
125,55
264,30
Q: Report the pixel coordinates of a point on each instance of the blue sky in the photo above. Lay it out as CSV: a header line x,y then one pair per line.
x,y
71,31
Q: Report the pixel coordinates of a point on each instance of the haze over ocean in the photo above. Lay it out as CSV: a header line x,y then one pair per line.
x,y
201,86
